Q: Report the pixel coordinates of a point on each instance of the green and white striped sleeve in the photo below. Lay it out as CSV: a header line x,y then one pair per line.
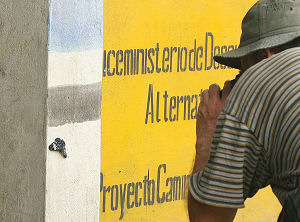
x,y
234,155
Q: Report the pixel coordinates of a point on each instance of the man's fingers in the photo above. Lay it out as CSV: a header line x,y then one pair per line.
x,y
214,91
226,90
202,109
214,99
205,97
202,112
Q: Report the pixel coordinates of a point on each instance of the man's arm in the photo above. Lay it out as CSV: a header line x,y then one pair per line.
x,y
200,212
209,109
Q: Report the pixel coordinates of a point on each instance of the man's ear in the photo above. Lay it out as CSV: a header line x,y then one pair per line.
x,y
270,52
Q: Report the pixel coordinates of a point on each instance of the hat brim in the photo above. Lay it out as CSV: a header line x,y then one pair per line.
x,y
233,58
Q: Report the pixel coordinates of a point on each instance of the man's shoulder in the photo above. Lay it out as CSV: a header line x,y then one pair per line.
x,y
270,71
294,50
274,63
269,82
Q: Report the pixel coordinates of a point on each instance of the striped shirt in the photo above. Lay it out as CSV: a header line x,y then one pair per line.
x,y
257,139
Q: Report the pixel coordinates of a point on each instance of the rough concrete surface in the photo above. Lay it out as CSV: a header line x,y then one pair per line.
x,y
23,78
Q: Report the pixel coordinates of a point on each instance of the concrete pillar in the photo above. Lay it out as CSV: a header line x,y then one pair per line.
x,y
50,88
23,111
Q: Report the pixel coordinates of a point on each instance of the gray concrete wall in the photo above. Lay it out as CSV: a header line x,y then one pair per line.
x,y
23,94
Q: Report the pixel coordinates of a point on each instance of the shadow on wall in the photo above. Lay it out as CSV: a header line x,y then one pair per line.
x,y
74,104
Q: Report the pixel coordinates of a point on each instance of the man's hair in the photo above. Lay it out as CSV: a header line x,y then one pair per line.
x,y
261,54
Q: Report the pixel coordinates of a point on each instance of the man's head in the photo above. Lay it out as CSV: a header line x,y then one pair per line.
x,y
255,57
268,28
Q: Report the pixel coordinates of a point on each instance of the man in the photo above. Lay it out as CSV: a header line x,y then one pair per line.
x,y
248,136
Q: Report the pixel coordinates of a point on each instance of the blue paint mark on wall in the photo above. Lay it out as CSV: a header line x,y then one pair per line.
x,y
75,25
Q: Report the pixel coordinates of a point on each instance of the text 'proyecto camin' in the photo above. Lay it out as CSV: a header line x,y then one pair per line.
x,y
143,193
169,59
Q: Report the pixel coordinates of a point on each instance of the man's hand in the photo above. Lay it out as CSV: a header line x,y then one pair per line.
x,y
209,109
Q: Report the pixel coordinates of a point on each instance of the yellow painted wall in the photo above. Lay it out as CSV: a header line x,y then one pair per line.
x,y
132,149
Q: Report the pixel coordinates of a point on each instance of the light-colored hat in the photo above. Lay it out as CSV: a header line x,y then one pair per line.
x,y
267,24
